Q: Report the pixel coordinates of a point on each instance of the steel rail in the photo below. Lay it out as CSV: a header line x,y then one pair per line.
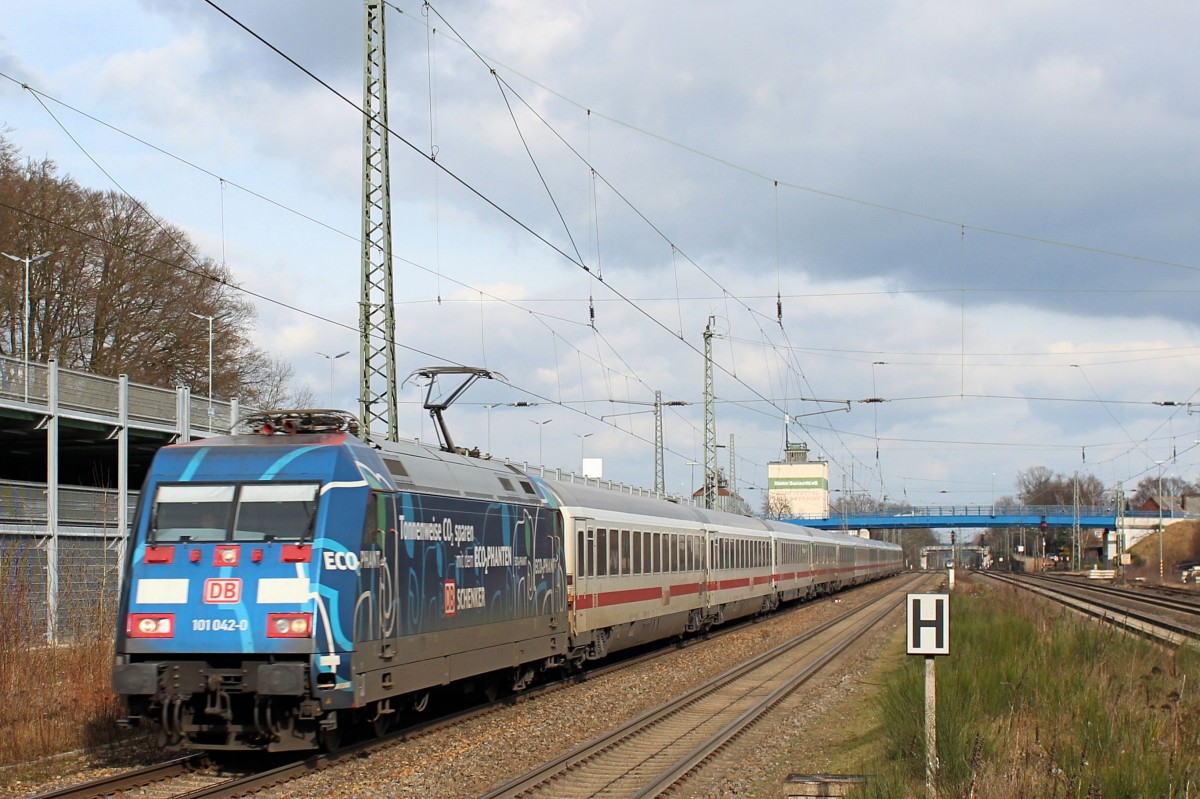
x,y
541,776
1146,624
124,781
735,728
1191,606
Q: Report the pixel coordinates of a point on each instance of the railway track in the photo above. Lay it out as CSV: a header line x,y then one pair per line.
x,y
196,777
1185,603
659,750
1167,621
146,780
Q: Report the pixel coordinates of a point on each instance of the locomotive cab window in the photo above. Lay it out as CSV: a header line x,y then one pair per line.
x,y
259,512
275,511
191,513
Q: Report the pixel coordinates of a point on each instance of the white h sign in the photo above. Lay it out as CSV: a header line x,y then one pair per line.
x,y
928,624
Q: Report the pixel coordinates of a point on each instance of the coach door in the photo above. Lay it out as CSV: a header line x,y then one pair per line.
x,y
586,590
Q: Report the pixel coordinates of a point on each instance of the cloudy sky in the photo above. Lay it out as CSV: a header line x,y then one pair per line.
x,y
983,214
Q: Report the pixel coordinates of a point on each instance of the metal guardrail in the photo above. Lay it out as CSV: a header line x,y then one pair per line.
x,y
25,503
23,385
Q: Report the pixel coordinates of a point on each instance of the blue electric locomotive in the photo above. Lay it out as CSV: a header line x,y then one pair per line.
x,y
292,581
287,583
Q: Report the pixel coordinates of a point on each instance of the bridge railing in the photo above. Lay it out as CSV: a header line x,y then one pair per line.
x,y
1055,512
99,395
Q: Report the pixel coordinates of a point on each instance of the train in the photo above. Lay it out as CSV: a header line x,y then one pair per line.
x,y
291,582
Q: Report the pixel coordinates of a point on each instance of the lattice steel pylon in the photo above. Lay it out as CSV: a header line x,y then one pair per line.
x,y
377,312
710,422
732,476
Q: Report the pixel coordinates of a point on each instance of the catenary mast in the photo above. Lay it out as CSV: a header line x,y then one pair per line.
x,y
710,422
377,314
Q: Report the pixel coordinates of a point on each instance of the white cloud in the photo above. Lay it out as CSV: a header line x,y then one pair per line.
x,y
1052,121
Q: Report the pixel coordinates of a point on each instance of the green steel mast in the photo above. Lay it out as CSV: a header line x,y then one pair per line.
x,y
377,313
710,422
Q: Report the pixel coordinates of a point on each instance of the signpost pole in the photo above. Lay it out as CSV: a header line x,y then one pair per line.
x,y
930,726
928,623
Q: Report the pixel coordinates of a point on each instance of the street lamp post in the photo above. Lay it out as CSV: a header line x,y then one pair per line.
x,y
25,329
489,407
210,363
541,461
692,485
582,436
332,358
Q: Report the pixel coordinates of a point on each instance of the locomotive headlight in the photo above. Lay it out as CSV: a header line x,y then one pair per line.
x,y
229,555
150,625
289,625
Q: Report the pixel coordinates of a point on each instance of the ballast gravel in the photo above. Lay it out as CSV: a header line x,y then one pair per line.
x,y
470,758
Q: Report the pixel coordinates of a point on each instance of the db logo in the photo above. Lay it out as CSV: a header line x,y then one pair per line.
x,y
223,591
449,593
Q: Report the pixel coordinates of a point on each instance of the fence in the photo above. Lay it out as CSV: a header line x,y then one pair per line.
x,y
68,577
65,560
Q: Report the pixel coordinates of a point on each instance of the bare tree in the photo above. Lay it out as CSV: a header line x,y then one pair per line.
x,y
124,292
776,506
1148,488
1039,485
277,390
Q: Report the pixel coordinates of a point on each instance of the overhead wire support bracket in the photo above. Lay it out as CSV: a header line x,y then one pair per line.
x,y
821,413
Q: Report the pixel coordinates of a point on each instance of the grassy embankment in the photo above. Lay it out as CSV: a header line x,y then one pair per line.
x,y
56,698
1036,702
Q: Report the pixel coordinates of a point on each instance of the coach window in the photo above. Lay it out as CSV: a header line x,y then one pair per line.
x,y
581,553
626,551
638,537
614,552
601,565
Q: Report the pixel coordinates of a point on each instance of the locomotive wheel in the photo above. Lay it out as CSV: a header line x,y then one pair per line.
x,y
382,722
331,738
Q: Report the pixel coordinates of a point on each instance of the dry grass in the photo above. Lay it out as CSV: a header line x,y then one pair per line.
x,y
1181,543
57,698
